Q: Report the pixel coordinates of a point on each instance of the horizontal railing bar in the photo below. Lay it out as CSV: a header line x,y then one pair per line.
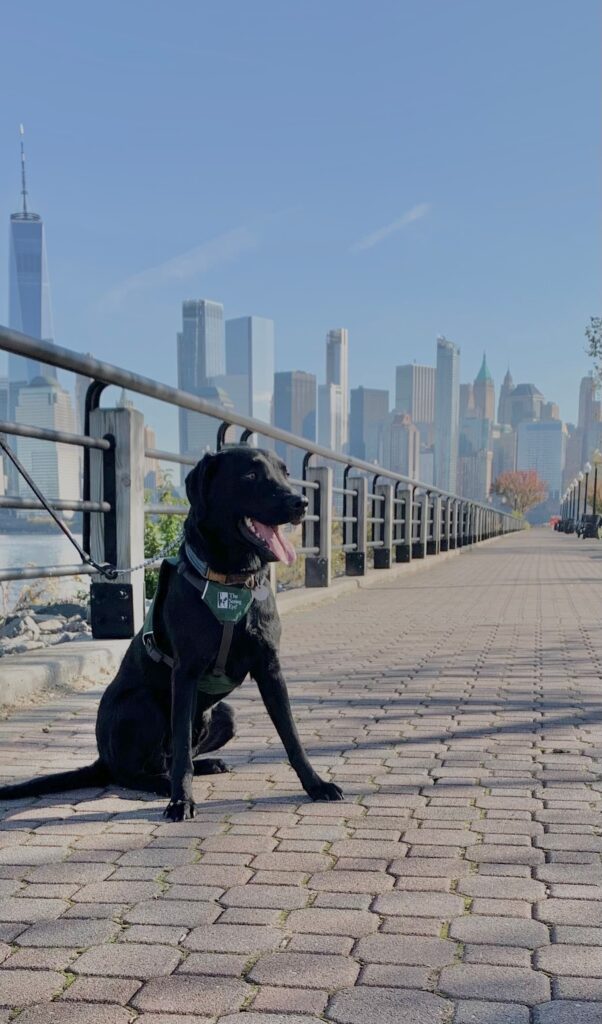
x,y
344,547
156,453
39,572
308,551
375,544
374,519
343,490
58,504
162,509
46,434
376,497
88,366
309,485
344,519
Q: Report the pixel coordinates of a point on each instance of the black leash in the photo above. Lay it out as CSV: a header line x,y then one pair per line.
x,y
108,571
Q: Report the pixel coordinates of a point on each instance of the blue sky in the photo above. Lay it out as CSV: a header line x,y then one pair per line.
x,y
402,168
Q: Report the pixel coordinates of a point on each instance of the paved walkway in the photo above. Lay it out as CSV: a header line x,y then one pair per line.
x,y
461,710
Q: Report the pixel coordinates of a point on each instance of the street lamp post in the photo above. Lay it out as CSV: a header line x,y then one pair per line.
x,y
579,482
587,470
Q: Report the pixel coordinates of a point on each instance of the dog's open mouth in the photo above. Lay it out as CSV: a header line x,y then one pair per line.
x,y
273,539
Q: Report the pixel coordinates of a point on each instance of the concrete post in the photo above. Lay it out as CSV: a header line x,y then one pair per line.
x,y
448,522
404,550
318,568
117,476
355,561
382,556
434,542
419,545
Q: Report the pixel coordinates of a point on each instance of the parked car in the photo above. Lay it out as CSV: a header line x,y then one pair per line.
x,y
591,526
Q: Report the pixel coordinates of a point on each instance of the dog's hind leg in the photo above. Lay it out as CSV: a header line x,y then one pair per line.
x,y
220,730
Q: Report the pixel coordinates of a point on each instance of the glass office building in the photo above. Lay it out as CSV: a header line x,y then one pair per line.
x,y
250,354
201,356
29,308
447,415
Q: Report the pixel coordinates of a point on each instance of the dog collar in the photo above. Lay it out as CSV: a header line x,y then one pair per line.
x,y
241,579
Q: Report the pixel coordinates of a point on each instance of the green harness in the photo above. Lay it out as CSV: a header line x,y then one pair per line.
x,y
228,604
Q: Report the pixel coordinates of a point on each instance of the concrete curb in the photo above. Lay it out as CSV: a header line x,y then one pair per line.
x,y
79,665
69,666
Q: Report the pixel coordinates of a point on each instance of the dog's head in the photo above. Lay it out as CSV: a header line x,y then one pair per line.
x,y
239,499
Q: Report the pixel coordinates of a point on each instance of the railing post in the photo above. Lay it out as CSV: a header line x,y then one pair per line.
x,y
465,524
318,568
404,550
382,556
434,542
446,524
117,476
419,545
470,523
355,561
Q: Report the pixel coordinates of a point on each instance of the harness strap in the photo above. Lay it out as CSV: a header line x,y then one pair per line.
x,y
219,668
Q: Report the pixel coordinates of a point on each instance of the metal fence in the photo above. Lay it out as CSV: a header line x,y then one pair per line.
x,y
382,516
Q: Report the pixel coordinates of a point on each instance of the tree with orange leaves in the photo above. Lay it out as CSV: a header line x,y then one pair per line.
x,y
523,489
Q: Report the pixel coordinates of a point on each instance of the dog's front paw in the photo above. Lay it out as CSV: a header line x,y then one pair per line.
x,y
321,790
179,810
210,766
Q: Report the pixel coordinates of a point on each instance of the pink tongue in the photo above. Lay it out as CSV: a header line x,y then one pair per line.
x,y
279,545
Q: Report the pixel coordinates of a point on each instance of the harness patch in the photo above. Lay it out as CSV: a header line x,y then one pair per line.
x,y
228,604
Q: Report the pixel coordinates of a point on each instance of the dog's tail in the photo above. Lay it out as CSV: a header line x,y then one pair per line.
x,y
91,775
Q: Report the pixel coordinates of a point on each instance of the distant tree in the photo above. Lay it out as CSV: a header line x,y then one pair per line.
x,y
593,333
523,489
161,531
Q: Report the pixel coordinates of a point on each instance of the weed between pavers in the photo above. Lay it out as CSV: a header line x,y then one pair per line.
x,y
459,953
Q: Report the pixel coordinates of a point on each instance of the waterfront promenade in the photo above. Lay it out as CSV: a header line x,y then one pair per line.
x,y
460,883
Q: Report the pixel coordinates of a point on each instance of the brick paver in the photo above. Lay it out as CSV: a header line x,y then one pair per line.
x,y
459,883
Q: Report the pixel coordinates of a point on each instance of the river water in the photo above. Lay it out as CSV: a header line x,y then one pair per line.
x,y
24,549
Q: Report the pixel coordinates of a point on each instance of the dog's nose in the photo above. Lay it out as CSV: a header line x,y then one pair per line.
x,y
299,504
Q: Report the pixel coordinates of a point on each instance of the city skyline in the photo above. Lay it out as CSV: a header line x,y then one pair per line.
x,y
450,216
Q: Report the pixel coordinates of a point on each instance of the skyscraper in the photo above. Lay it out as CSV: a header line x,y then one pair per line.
x,y
504,409
415,395
54,467
250,354
201,356
295,411
337,372
484,393
29,308
447,409
401,445
330,419
542,446
590,415
369,412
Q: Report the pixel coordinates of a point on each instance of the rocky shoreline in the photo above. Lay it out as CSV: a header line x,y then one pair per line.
x,y
31,629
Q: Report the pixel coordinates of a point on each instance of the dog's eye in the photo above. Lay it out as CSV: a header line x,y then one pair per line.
x,y
250,476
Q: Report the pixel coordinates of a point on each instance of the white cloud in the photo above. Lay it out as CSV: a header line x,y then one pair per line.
x,y
184,267
415,213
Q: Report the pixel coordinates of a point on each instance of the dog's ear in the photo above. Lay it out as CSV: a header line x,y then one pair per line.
x,y
197,484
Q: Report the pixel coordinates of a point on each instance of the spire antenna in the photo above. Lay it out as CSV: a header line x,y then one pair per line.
x,y
23,183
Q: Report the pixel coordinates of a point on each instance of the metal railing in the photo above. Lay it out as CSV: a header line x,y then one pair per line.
x,y
383,515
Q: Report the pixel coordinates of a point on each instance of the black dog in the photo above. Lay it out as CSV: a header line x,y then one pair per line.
x,y
163,708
